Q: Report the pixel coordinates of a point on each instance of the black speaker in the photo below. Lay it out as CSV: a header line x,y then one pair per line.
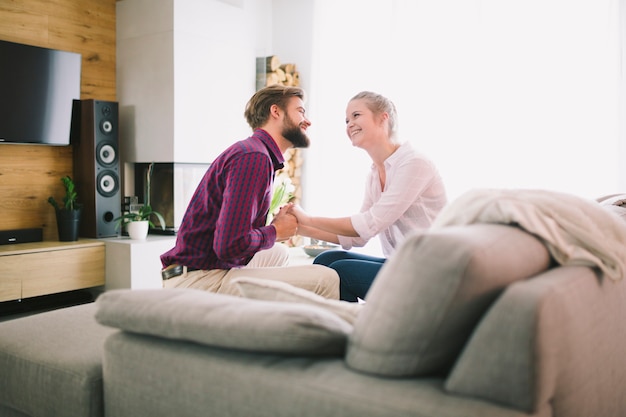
x,y
9,237
95,139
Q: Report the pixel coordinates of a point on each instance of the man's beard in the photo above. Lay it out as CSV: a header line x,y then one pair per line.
x,y
295,135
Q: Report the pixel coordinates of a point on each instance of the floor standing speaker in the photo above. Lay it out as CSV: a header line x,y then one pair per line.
x,y
96,166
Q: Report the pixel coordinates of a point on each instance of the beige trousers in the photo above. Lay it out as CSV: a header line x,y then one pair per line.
x,y
266,264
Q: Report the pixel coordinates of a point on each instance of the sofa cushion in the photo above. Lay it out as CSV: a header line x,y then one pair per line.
x,y
271,290
155,377
429,295
225,321
51,363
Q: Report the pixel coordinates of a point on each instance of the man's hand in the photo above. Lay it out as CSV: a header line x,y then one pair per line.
x,y
285,223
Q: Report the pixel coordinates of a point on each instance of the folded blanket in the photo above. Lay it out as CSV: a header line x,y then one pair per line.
x,y
576,231
612,200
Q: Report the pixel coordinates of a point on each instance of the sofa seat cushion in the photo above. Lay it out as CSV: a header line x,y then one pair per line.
x,y
51,363
429,295
225,321
156,377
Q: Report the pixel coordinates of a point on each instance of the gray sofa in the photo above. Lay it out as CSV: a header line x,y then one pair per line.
x,y
463,321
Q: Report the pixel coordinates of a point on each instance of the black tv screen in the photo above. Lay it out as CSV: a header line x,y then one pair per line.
x,y
37,90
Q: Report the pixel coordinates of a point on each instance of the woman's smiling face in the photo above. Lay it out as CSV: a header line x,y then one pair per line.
x,y
362,125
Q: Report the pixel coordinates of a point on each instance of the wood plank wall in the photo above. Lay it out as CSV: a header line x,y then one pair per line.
x,y
29,174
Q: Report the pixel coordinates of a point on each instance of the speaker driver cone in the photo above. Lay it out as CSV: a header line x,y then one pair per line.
x,y
106,127
107,183
106,154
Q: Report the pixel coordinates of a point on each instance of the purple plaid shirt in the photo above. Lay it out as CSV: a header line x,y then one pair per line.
x,y
224,225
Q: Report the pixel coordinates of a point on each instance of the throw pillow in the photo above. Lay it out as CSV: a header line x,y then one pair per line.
x,y
431,293
265,289
225,321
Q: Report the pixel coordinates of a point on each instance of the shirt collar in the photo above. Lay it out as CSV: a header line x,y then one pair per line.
x,y
400,153
278,160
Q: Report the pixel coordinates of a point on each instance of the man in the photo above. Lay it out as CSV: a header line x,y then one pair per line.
x,y
223,234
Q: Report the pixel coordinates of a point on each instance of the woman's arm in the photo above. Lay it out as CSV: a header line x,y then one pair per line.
x,y
317,234
335,226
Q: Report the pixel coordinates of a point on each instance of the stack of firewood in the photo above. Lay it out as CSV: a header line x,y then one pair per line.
x,y
277,73
269,72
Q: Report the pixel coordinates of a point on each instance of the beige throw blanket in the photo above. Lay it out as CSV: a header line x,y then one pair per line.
x,y
576,231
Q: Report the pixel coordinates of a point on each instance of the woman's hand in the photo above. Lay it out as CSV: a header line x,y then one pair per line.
x,y
303,218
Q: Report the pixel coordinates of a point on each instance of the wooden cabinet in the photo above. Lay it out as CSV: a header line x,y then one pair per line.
x,y
40,268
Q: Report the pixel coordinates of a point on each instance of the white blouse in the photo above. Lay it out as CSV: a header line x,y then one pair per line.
x,y
413,196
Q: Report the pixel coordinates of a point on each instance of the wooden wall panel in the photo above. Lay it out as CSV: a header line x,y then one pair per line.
x,y
29,174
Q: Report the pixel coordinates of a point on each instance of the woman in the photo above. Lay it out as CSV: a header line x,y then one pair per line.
x,y
404,193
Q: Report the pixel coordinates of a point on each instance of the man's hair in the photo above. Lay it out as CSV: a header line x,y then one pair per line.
x,y
258,108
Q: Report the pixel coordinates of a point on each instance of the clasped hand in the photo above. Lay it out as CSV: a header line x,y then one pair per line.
x,y
287,220
285,223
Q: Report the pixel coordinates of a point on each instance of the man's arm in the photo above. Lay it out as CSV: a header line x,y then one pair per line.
x,y
240,230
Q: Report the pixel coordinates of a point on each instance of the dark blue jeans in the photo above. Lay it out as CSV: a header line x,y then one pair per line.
x,y
356,271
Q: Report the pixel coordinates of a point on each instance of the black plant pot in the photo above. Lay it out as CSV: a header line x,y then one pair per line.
x,y
68,224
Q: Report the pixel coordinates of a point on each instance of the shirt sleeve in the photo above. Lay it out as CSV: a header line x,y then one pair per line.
x,y
240,230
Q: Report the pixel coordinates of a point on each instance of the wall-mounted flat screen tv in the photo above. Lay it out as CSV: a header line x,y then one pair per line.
x,y
37,90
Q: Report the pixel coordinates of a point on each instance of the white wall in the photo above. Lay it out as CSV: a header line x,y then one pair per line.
x,y
292,40
145,74
185,71
499,93
214,76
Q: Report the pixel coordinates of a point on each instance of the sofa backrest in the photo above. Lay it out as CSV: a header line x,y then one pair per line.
x,y
558,338
429,296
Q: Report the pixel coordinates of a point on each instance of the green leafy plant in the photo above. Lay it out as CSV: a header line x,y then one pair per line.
x,y
144,213
70,198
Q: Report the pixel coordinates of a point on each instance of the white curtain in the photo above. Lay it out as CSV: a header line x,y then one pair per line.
x,y
499,93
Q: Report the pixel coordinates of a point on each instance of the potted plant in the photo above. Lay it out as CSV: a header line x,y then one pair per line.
x,y
67,214
138,222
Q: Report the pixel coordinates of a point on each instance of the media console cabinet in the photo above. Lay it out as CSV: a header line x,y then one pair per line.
x,y
42,268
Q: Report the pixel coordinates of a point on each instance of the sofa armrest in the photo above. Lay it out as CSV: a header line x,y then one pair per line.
x,y
557,338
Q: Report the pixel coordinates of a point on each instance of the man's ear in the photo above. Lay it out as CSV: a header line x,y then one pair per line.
x,y
275,111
